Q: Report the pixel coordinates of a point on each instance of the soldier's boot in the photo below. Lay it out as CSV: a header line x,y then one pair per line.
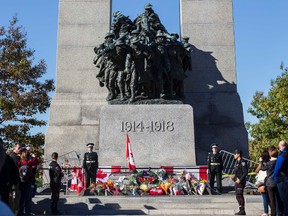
x,y
241,212
132,98
111,96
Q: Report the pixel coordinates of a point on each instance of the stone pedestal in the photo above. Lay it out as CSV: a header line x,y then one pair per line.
x,y
159,135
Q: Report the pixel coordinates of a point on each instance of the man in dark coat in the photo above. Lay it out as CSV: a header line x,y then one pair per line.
x,y
56,174
90,165
9,174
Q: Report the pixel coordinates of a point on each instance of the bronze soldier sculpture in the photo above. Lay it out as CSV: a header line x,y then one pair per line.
x,y
215,166
90,165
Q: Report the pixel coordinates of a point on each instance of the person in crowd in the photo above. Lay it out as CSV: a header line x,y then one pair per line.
x,y
25,166
240,174
90,165
274,197
264,159
55,174
280,174
34,172
9,174
215,166
15,155
4,208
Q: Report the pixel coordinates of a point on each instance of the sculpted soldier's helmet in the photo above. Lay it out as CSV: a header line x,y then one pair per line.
x,y
135,40
214,145
109,34
185,38
135,31
148,6
160,34
174,34
116,13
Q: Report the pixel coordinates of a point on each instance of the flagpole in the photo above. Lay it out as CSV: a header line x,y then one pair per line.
x,y
126,150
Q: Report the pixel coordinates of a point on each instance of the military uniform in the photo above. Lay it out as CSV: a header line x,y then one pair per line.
x,y
241,172
215,166
90,165
56,174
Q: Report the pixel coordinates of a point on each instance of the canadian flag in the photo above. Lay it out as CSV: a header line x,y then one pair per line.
x,y
80,180
129,155
104,172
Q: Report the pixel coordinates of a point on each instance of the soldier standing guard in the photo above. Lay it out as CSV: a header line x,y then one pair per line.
x,y
241,172
215,166
90,165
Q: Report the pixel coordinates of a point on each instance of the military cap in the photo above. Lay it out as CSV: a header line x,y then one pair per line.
x,y
148,6
90,144
109,34
237,151
214,145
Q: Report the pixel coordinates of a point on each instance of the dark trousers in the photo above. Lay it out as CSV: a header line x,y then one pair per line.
x,y
25,198
283,192
55,193
4,194
239,189
274,201
90,177
17,198
218,176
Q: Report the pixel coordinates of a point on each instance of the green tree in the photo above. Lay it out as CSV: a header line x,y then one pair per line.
x,y
24,93
272,114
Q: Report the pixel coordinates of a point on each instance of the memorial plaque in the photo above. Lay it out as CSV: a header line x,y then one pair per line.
x,y
159,135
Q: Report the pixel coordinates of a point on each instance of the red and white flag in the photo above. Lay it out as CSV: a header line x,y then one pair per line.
x,y
129,155
104,172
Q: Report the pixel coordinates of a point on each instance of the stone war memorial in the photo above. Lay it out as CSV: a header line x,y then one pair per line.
x,y
173,95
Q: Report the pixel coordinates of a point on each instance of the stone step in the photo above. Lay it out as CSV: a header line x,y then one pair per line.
x,y
157,205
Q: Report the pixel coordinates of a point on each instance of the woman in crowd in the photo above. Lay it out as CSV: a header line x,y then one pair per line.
x,y
25,165
264,159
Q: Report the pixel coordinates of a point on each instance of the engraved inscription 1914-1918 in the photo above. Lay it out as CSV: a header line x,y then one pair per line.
x,y
148,126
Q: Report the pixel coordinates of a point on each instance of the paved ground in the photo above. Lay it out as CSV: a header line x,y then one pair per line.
x,y
150,205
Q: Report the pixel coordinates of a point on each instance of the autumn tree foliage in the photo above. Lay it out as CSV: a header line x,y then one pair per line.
x,y
272,114
23,92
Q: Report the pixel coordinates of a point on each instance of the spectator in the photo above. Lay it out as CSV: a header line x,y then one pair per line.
x,y
274,197
280,175
4,209
56,174
9,174
15,155
34,172
26,179
264,159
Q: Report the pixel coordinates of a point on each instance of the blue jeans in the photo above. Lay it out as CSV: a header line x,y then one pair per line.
x,y
283,192
265,199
